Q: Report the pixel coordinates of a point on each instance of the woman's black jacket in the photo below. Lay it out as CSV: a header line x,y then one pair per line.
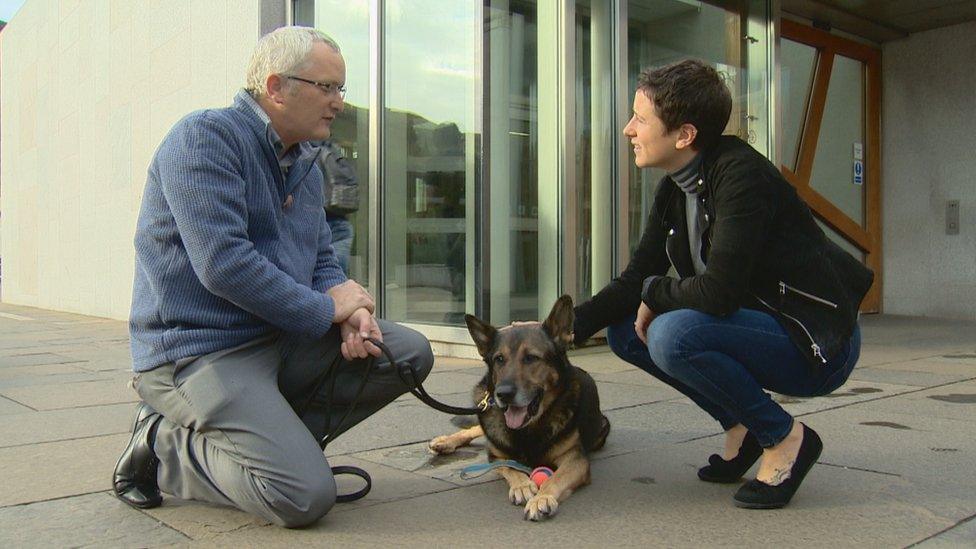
x,y
762,250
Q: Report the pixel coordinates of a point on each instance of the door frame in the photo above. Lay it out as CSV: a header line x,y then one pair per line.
x,y
868,237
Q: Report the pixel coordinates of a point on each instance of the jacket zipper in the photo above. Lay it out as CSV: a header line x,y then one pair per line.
x,y
813,344
784,286
667,252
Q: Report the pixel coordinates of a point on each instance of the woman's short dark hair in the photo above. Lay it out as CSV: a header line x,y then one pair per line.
x,y
689,92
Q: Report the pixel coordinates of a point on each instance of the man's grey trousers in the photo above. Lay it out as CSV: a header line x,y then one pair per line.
x,y
230,433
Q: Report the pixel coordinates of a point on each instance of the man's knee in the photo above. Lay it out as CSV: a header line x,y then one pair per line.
x,y
425,357
414,349
300,503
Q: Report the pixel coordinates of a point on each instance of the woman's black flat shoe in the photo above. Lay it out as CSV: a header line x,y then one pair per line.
x,y
729,471
756,494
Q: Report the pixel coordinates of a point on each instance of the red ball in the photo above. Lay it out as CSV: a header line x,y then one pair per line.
x,y
540,475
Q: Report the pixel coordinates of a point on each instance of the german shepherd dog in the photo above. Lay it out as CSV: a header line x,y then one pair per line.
x,y
542,410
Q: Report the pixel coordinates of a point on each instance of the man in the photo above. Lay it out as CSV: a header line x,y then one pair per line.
x,y
239,305
762,299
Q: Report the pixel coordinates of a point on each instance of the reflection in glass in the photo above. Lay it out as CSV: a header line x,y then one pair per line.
x,y
435,151
512,155
431,142
797,66
594,146
841,131
347,22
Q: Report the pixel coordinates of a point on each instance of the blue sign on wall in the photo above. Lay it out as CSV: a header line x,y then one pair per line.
x,y
858,172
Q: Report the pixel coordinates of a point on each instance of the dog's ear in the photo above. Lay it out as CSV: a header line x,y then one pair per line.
x,y
559,323
482,333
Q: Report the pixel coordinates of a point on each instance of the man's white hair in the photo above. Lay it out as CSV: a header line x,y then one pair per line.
x,y
282,51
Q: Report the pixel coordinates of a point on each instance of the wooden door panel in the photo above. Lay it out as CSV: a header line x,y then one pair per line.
x,y
865,236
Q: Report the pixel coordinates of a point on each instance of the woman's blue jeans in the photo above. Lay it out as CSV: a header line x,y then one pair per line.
x,y
724,364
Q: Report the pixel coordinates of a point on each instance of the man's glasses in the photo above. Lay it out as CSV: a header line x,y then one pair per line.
x,y
328,87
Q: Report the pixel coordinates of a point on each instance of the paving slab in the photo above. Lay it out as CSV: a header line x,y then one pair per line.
x,y
935,364
67,424
53,379
670,421
34,358
12,316
905,377
949,401
442,364
617,395
631,376
417,459
100,356
961,535
24,339
10,373
82,521
400,423
641,499
876,354
895,471
929,457
8,407
39,472
203,522
72,395
603,363
853,391
899,328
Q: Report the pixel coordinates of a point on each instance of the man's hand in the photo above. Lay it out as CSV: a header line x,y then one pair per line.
x,y
644,317
354,332
348,297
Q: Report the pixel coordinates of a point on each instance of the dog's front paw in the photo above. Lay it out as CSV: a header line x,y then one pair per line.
x,y
541,507
521,493
443,445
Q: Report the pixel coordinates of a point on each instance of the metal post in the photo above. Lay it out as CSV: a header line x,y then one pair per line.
x,y
376,226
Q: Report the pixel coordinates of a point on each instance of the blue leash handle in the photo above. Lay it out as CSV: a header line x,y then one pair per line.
x,y
478,469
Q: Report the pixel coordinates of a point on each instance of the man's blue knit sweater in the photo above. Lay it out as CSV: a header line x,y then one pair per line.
x,y
228,248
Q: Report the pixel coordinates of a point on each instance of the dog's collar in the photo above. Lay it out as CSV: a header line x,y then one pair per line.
x,y
486,402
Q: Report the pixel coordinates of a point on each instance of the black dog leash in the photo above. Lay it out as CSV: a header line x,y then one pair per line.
x,y
418,391
407,375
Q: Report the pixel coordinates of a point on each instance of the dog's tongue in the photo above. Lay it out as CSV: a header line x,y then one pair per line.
x,y
515,416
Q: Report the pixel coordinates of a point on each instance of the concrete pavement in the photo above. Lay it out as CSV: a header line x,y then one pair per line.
x,y
897,467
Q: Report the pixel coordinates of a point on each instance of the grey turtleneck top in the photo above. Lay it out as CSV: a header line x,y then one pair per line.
x,y
688,179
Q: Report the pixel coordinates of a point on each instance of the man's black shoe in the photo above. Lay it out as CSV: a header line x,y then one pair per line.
x,y
134,481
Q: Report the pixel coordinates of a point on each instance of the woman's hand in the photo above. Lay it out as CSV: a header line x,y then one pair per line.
x,y
644,317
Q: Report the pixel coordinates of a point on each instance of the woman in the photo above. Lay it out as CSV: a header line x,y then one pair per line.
x,y
762,298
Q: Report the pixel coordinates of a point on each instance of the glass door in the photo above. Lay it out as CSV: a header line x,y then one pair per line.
x,y
351,128
459,146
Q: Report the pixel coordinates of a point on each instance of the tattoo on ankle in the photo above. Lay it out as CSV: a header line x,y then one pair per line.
x,y
780,475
